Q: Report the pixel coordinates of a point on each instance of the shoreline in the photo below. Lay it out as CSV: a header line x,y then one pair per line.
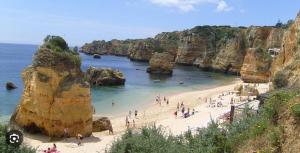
x,y
150,103
160,115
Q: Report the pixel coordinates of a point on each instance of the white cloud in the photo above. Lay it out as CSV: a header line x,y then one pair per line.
x,y
223,6
190,5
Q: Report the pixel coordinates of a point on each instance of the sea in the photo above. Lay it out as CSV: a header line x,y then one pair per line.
x,y
139,91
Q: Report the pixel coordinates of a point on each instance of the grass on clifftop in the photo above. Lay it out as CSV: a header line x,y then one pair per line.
x,y
262,127
5,148
55,51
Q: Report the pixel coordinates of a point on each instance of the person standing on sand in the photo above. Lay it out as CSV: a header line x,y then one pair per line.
x,y
133,123
129,114
79,138
126,121
167,101
66,133
178,106
182,110
175,114
182,105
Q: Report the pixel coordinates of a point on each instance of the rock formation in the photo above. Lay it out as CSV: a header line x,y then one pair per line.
x,y
161,63
10,86
288,61
102,124
104,76
55,96
236,50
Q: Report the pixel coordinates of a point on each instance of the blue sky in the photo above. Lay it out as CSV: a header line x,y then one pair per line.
x,y
80,21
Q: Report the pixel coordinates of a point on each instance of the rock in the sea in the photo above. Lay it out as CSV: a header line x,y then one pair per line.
x,y
55,97
10,86
104,76
161,63
96,56
102,124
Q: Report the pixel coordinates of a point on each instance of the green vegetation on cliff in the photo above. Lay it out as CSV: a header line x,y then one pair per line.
x,y
5,148
262,131
56,52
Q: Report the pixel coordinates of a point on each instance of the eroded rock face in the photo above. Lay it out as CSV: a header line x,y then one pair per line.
x,y
288,61
256,67
55,96
102,124
142,50
161,63
104,76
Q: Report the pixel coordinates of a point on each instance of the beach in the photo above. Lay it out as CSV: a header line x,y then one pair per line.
x,y
160,115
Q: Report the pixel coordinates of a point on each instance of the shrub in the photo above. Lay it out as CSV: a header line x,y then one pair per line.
x,y
56,43
280,80
295,109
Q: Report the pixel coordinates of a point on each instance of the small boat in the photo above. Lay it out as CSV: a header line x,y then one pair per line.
x,y
181,82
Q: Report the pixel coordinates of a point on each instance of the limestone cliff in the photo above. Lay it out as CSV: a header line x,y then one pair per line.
x,y
218,48
288,61
257,61
161,63
55,97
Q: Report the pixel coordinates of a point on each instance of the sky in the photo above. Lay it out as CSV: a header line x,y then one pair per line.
x,y
82,21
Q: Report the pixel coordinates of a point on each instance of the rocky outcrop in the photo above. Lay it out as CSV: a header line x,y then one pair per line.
x,y
288,61
55,96
104,77
102,124
257,62
142,50
10,86
161,63
96,56
256,66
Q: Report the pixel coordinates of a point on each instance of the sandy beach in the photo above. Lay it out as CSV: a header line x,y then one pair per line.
x,y
159,114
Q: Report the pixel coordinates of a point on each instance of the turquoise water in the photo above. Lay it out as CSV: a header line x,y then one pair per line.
x,y
140,87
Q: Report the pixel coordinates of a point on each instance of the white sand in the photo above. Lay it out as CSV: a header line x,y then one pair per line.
x,y
160,115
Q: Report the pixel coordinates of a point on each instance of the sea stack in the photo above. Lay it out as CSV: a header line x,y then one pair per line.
x,y
55,97
104,77
161,63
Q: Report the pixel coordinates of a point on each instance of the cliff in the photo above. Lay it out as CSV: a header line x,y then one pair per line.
x,y
236,50
55,96
288,60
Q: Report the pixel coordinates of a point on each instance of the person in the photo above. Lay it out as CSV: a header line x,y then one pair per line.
x,y
165,98
178,106
129,114
113,103
79,138
53,149
133,123
167,101
66,133
182,105
175,113
182,110
135,113
126,121
193,112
